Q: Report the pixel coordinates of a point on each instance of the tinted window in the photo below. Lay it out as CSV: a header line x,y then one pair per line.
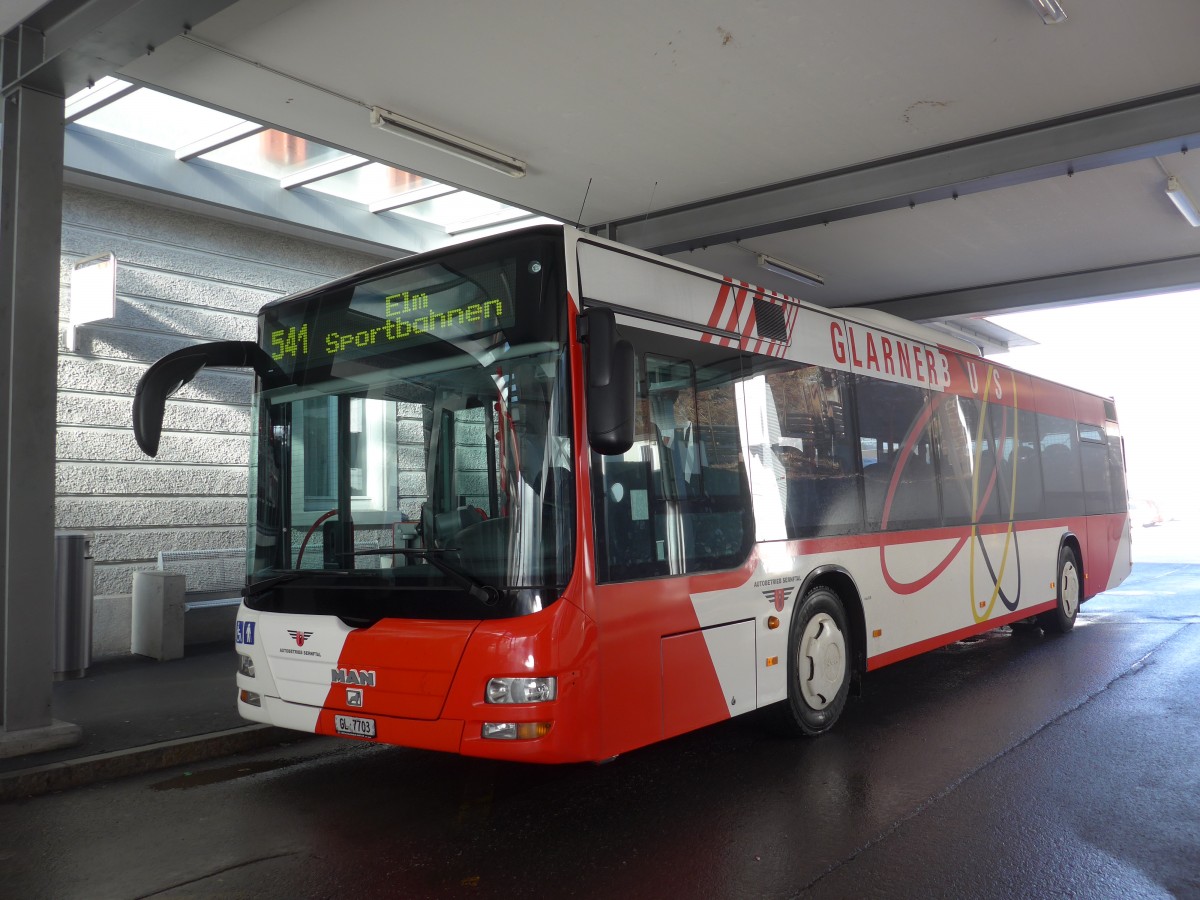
x,y
899,480
1093,451
808,452
1116,467
1061,471
967,462
1015,433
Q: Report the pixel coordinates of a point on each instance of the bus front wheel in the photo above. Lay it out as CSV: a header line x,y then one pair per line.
x,y
818,664
1061,619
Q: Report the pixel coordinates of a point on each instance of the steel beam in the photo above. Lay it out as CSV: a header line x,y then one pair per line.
x,y
30,230
1095,285
222,138
80,41
409,198
109,90
1155,126
336,166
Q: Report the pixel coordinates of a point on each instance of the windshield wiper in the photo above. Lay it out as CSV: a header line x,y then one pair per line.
x,y
482,591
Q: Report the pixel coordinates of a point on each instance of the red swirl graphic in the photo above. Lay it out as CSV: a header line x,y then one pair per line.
x,y
906,453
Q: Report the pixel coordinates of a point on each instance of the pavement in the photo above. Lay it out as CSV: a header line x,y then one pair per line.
x,y
137,715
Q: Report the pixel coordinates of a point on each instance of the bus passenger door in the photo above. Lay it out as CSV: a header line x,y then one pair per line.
x,y
673,519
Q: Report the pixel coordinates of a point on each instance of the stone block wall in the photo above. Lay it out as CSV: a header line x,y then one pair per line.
x,y
181,279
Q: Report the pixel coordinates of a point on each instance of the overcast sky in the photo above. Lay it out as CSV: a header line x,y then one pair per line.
x,y
1144,353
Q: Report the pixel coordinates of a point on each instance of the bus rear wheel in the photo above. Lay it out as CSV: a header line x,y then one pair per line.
x,y
818,664
1061,619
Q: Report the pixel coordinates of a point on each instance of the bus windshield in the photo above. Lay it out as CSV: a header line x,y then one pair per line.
x,y
417,461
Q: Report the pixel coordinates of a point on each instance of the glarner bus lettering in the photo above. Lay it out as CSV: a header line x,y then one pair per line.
x,y
542,497
895,358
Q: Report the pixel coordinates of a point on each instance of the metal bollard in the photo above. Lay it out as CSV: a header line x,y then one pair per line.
x,y
73,593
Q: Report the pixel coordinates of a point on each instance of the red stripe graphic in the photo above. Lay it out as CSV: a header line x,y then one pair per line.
x,y
735,316
718,307
746,332
793,314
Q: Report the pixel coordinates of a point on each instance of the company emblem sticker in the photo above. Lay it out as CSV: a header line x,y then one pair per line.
x,y
354,697
300,644
778,597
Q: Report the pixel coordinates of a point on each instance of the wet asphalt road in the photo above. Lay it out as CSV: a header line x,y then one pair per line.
x,y
1008,766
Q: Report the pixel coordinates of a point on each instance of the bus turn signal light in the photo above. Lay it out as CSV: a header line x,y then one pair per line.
x,y
515,731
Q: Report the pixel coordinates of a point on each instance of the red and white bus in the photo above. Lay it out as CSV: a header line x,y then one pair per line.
x,y
543,497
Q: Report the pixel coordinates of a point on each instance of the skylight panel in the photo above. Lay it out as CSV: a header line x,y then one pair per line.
x,y
369,183
159,119
275,154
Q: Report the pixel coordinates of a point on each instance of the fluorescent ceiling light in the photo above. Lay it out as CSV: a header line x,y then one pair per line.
x,y
1051,11
1182,200
447,143
771,264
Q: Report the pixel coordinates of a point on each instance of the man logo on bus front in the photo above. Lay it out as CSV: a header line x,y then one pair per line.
x,y
300,636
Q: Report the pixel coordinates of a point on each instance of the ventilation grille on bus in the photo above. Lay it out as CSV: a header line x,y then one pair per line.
x,y
770,320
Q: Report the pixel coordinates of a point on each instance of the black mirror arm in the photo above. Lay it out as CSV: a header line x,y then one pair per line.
x,y
176,369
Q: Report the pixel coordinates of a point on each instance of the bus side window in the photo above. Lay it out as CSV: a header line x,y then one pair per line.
x,y
1016,438
1093,451
1116,467
814,452
630,490
967,461
1062,474
901,488
678,500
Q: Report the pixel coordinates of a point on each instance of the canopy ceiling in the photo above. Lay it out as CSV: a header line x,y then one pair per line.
x,y
931,157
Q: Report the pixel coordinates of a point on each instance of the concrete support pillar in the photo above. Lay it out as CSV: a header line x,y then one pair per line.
x,y
31,156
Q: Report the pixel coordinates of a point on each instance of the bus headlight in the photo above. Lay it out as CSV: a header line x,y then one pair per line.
x,y
245,665
522,690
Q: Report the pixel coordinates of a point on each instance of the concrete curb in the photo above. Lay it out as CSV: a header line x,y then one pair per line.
x,y
75,773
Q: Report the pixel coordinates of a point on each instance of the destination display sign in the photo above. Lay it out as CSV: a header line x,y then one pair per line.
x,y
390,313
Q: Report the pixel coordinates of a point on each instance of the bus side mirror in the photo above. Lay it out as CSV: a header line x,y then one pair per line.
x,y
176,369
611,378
